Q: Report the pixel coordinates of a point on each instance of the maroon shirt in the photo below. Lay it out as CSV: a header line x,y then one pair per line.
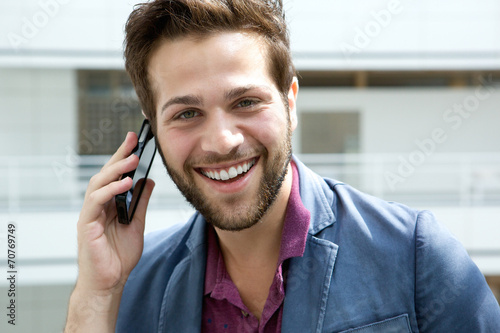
x,y
223,309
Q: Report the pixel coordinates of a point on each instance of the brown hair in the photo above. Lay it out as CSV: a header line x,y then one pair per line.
x,y
158,20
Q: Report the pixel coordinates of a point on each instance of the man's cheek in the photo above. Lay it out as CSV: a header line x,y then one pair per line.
x,y
268,131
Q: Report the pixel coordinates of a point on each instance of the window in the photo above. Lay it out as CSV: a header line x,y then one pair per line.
x,y
329,132
108,108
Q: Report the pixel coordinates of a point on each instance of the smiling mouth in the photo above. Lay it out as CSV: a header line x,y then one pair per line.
x,y
228,173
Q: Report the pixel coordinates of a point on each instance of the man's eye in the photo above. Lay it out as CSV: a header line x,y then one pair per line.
x,y
188,114
246,103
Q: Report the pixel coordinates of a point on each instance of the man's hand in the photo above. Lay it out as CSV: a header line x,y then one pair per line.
x,y
107,250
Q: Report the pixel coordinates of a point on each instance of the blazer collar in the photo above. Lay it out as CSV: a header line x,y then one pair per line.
x,y
317,197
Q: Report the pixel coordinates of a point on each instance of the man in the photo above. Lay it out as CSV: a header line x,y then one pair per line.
x,y
273,247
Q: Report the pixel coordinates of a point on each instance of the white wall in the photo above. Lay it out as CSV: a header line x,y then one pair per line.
x,y
347,34
393,119
63,33
416,26
61,25
38,111
395,34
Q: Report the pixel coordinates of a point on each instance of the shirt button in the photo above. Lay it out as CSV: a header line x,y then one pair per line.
x,y
245,314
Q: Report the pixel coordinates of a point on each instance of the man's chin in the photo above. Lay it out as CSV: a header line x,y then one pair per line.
x,y
233,227
226,219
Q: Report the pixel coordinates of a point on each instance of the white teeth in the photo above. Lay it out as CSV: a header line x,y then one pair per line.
x,y
224,175
231,173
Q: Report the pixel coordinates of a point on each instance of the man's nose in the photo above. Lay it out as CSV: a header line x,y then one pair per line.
x,y
221,134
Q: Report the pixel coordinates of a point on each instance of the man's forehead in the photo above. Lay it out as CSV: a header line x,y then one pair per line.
x,y
173,52
188,58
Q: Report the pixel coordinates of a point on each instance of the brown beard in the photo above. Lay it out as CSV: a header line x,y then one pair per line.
x,y
275,171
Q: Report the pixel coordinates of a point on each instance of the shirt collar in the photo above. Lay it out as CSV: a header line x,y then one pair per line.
x,y
296,224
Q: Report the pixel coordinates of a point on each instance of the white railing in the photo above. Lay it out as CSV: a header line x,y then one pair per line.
x,y
59,182
471,179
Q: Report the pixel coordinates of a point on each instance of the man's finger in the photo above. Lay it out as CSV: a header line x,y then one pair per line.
x,y
112,173
140,212
124,150
96,201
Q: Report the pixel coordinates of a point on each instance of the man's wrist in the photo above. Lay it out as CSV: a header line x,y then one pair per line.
x,y
93,310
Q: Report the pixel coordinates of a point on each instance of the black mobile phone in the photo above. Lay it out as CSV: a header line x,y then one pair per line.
x,y
126,202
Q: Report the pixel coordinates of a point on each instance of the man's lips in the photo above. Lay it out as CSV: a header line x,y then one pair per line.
x,y
229,172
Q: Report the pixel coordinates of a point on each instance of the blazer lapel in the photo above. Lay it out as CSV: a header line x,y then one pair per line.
x,y
181,309
308,286
309,277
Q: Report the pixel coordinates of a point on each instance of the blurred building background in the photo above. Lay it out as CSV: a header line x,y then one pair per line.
x,y
398,98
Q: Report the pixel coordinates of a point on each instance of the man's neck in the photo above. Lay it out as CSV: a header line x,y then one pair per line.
x,y
251,255
260,244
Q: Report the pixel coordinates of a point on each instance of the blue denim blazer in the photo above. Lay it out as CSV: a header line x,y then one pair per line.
x,y
368,266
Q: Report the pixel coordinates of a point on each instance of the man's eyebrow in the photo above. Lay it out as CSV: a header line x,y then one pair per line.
x,y
237,92
186,100
197,100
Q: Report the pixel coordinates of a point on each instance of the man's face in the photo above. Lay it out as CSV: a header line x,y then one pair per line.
x,y
223,130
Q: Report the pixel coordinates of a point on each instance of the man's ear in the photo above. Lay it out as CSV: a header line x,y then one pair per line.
x,y
292,102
